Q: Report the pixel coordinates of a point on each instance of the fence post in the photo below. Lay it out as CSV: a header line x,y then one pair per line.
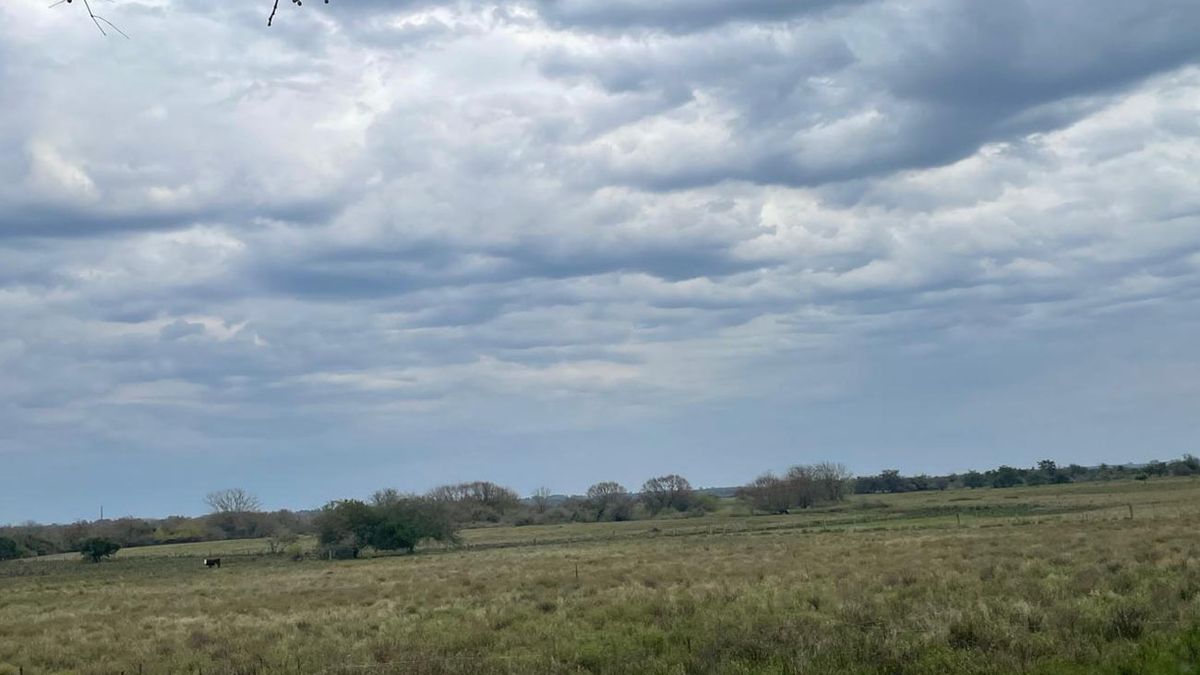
x,y
958,518
1130,511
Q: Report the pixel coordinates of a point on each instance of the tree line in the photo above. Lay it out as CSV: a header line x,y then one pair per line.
x,y
393,521
388,521
1045,472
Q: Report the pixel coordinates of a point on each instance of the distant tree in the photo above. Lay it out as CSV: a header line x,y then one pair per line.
x,y
541,499
576,509
1188,465
672,492
386,497
344,527
801,486
477,501
233,500
1052,474
610,500
9,549
128,531
1006,476
767,493
98,548
392,522
178,530
892,481
833,480
405,523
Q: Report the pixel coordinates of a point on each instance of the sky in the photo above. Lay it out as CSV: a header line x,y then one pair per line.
x,y
553,242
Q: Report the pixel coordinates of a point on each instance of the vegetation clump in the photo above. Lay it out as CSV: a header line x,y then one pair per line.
x,y
391,522
98,548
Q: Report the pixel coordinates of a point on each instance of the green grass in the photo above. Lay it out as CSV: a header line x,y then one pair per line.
x,y
1035,580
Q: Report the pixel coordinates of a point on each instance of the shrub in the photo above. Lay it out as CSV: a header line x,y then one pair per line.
x,y
1125,622
9,549
98,548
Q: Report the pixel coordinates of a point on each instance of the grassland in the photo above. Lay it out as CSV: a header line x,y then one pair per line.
x,y
1051,579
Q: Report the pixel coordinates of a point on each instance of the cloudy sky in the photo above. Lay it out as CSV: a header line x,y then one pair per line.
x,y
400,243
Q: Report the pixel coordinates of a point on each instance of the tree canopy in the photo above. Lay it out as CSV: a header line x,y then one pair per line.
x,y
232,500
98,548
391,523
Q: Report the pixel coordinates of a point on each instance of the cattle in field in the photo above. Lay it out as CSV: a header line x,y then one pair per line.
x,y
212,562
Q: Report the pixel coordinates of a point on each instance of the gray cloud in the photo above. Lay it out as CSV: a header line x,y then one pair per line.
x,y
676,16
869,92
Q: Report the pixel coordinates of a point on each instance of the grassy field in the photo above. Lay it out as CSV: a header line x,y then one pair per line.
x,y
1051,579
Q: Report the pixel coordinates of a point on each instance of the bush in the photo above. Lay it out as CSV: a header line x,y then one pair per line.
x,y
98,548
1126,622
9,549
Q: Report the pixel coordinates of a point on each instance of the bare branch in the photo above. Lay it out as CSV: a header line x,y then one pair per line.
x,y
275,8
96,18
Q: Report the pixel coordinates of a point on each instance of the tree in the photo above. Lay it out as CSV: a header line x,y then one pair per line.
x,y
392,522
233,500
888,480
541,499
801,485
1189,465
1049,472
667,492
405,523
832,479
386,497
344,527
767,493
610,501
98,548
1006,476
9,549
892,481
477,501
974,479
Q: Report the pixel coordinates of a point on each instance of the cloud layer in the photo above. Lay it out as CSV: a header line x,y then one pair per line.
x,y
564,240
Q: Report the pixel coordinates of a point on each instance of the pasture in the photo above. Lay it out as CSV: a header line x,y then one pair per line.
x,y
1084,578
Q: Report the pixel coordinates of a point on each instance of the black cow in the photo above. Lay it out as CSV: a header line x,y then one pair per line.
x,y
212,562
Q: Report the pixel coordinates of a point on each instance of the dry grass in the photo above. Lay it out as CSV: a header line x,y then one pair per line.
x,y
1026,585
